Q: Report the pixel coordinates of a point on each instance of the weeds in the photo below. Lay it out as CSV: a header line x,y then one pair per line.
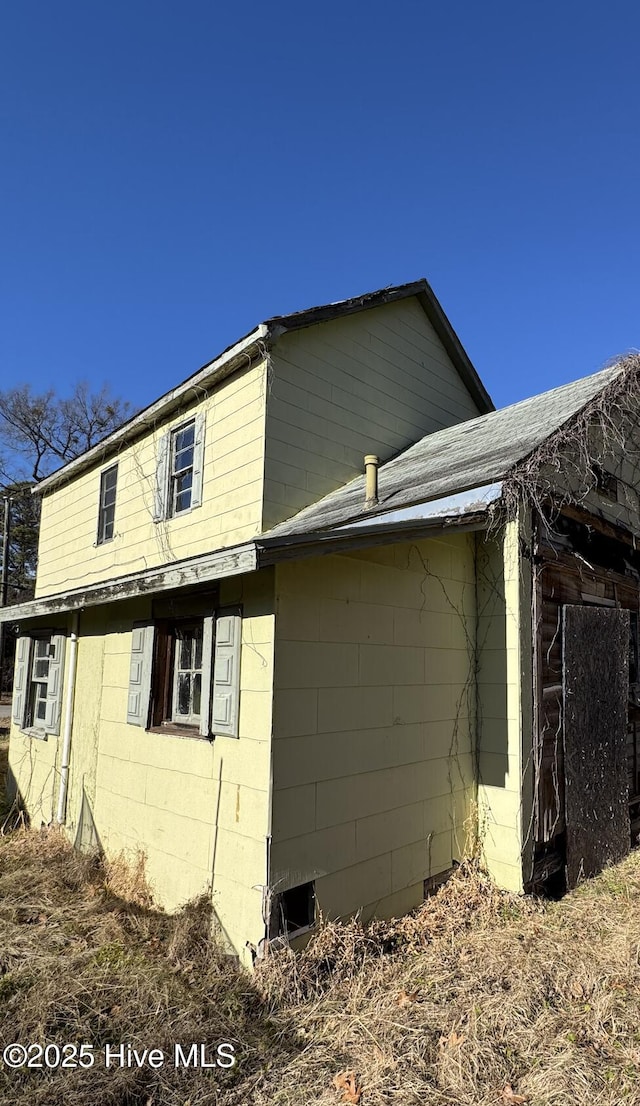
x,y
478,997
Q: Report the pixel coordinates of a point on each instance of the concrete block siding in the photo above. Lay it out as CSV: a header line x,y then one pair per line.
x,y
197,810
374,693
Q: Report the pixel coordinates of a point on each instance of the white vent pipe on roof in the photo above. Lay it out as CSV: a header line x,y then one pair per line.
x,y
371,463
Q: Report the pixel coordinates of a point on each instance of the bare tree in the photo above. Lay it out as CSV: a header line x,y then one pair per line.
x,y
38,433
44,429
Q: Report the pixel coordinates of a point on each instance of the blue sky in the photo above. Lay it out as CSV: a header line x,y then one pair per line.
x,y
173,174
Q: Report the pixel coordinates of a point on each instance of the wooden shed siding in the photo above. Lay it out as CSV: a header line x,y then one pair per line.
x,y
563,579
373,383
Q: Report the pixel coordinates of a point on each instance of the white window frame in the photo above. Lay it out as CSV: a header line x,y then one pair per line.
x,y
154,674
191,718
38,683
176,473
103,507
168,472
28,684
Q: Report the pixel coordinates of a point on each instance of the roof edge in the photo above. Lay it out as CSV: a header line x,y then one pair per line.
x,y
452,344
242,352
245,349
204,568
422,290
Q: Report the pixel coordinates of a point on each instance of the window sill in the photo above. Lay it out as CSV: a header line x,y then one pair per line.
x,y
177,514
173,729
38,735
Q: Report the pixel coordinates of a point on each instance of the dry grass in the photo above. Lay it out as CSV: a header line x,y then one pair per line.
x,y
487,997
479,997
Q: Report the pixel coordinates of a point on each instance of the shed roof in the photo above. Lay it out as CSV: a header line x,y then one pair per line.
x,y
470,454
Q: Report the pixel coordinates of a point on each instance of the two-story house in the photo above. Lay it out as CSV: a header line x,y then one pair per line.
x,y
290,685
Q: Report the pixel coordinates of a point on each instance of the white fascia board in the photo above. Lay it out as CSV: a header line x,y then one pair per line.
x,y
450,506
146,419
180,574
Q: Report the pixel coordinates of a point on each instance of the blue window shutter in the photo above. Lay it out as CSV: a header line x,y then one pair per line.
x,y
53,708
226,672
140,675
198,459
160,506
20,680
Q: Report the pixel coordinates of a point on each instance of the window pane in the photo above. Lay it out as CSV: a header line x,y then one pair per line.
x,y
184,692
42,652
109,497
185,437
185,651
41,702
197,663
184,482
110,478
184,459
197,684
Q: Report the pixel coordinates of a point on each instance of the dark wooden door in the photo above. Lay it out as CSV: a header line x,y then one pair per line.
x,y
595,692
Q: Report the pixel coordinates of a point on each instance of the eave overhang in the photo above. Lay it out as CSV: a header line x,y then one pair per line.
x,y
181,574
464,511
468,510
238,356
254,346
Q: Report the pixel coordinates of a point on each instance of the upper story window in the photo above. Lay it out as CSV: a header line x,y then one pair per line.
x,y
179,469
181,479
107,507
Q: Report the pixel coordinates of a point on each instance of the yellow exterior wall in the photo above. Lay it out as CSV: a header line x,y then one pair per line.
x,y
34,775
374,382
279,435
368,658
374,698
231,507
34,763
198,810
504,726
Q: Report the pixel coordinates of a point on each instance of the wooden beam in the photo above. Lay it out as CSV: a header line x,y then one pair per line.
x,y
181,574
